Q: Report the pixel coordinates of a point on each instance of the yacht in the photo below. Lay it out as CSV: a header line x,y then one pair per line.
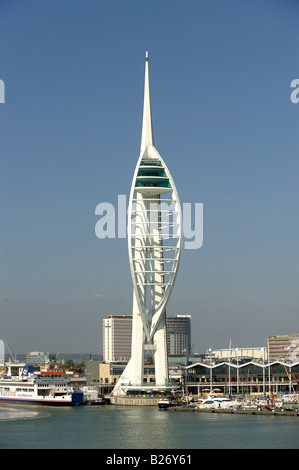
x,y
164,403
218,403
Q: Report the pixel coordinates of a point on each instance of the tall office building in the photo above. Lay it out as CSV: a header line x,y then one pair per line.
x,y
178,334
154,244
117,335
283,347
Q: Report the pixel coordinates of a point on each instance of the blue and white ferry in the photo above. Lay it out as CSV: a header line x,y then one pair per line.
x,y
39,388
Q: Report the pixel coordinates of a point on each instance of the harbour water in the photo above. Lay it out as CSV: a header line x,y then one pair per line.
x,y
137,427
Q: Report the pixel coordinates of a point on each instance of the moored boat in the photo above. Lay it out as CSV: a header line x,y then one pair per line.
x,y
218,403
96,401
164,403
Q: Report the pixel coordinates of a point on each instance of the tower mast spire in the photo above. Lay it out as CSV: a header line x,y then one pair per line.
x,y
147,139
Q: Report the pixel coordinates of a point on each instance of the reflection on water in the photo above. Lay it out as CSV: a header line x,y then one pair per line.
x,y
129,427
150,429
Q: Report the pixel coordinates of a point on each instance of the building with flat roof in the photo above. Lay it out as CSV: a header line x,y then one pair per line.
x,y
36,358
258,352
117,336
283,347
178,329
242,377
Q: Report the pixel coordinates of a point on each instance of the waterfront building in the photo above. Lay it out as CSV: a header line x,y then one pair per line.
x,y
37,359
240,352
283,347
106,375
154,245
242,377
117,337
178,335
110,373
92,371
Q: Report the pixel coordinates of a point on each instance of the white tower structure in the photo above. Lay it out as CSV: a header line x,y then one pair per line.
x,y
155,244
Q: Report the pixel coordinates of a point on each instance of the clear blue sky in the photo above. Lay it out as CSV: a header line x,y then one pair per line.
x,y
70,135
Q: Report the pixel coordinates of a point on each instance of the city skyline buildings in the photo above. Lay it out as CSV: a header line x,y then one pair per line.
x,y
117,337
154,245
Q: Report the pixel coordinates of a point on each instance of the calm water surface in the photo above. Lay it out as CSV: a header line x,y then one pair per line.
x,y
118,427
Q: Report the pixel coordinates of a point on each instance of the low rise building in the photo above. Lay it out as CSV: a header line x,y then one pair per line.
x,y
37,359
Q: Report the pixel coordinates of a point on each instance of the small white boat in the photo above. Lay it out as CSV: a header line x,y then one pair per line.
x,y
249,406
290,398
218,403
164,403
